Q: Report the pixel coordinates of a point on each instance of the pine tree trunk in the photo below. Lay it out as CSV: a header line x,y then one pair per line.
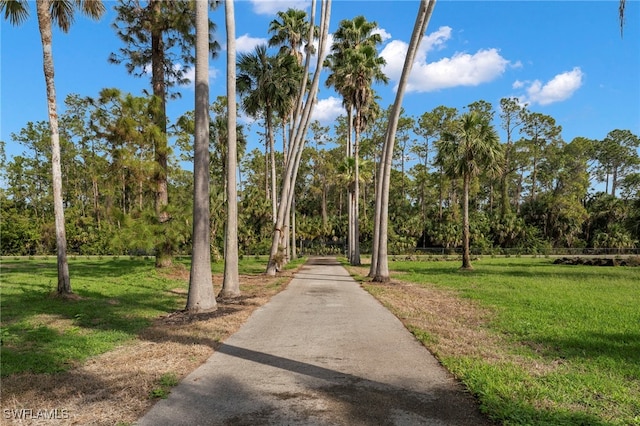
x,y
164,250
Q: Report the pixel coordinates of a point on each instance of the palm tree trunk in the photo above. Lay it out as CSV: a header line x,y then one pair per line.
x,y
422,20
323,204
350,233
294,254
44,24
272,156
286,249
440,192
356,201
375,243
266,167
466,257
231,281
201,297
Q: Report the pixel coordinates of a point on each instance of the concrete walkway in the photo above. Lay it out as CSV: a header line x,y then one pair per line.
x,y
321,352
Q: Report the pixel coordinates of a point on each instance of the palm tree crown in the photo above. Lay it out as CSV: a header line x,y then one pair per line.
x,y
62,11
473,146
290,32
268,81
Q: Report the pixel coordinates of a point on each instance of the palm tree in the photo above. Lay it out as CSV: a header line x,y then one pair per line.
x,y
367,69
231,281
472,147
62,14
201,297
355,65
267,83
291,32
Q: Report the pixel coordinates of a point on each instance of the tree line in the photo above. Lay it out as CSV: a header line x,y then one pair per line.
x,y
450,181
540,198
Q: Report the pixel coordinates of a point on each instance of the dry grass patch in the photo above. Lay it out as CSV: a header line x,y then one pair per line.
x,y
455,326
115,387
447,324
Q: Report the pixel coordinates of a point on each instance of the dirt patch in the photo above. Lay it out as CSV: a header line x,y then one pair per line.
x,y
116,387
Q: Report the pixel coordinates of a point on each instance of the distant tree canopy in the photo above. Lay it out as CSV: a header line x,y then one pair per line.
x,y
579,193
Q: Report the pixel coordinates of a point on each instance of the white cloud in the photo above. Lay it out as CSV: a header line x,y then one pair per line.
x,y
327,110
559,88
518,84
435,40
271,7
395,52
462,69
245,43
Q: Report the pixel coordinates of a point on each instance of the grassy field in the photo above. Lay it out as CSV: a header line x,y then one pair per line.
x,y
537,343
117,298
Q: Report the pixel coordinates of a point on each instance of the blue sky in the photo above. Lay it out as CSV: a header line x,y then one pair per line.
x,y
566,59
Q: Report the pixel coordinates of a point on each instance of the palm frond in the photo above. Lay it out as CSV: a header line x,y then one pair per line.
x,y
15,11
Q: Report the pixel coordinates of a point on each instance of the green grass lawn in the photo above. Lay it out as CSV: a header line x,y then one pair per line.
x,y
118,297
581,322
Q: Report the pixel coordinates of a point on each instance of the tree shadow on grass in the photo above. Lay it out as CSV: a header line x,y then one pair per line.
x,y
622,348
45,333
116,300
